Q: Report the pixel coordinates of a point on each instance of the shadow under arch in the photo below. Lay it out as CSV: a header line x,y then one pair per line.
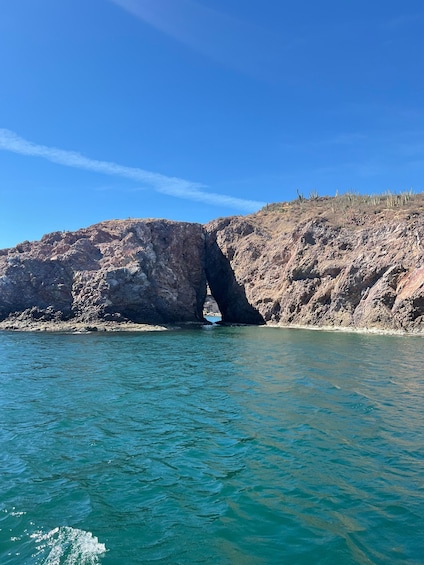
x,y
228,293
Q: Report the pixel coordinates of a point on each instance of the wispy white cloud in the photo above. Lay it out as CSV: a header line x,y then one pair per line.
x,y
229,41
172,186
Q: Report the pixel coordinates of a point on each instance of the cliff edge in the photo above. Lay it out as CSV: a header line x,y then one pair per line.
x,y
141,271
351,261
345,262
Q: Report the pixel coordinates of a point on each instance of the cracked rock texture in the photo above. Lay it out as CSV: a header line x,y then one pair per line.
x,y
322,262
353,262
143,271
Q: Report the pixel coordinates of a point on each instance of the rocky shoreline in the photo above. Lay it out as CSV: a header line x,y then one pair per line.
x,y
347,329
77,327
351,262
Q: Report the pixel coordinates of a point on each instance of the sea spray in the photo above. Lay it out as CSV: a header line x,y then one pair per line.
x,y
67,546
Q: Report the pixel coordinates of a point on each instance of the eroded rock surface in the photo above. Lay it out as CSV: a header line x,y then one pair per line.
x,y
143,271
321,263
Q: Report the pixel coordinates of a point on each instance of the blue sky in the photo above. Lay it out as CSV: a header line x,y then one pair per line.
x,y
195,109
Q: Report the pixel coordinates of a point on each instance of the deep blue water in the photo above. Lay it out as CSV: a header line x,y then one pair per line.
x,y
221,445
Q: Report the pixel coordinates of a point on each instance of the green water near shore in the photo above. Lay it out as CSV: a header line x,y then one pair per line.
x,y
222,445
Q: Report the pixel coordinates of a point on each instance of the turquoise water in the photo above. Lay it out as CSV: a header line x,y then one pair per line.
x,y
221,445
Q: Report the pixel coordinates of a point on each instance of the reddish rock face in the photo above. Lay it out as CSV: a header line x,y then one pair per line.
x,y
321,263
144,271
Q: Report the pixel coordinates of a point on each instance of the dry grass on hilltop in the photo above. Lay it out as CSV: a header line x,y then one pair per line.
x,y
350,208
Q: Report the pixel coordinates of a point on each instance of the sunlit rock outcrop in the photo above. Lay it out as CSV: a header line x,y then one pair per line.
x,y
355,262
144,271
345,262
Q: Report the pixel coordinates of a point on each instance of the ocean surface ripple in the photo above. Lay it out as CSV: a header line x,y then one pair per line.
x,y
227,446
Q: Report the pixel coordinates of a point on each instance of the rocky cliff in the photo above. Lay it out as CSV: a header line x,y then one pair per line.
x,y
143,271
350,261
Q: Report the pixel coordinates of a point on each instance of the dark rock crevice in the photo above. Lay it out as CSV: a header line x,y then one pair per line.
x,y
228,293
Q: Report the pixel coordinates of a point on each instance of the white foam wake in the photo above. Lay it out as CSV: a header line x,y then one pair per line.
x,y
68,546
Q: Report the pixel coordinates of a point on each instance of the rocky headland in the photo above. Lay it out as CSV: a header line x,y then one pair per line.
x,y
117,273
343,262
353,262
